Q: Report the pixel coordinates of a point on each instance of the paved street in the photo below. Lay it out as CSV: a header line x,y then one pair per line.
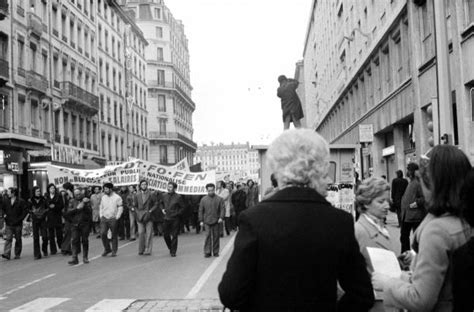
x,y
108,284
139,283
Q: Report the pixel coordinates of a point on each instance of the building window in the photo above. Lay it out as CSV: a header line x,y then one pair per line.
x,y
163,154
34,114
161,103
21,54
162,125
157,13
159,32
159,54
161,77
469,12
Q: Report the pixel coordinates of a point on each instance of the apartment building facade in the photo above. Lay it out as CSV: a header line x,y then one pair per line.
x,y
238,160
122,87
372,64
170,106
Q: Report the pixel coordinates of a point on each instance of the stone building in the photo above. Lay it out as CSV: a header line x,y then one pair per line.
x,y
374,63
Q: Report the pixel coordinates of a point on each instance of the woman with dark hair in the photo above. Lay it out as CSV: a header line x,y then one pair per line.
x,y
38,212
54,221
429,287
463,258
252,194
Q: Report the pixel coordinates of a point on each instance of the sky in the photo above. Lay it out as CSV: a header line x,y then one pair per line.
x,y
238,48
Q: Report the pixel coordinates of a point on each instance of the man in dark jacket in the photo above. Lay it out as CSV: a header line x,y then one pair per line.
x,y
124,221
211,214
399,185
290,102
172,208
15,210
54,221
239,201
79,214
193,201
412,207
38,212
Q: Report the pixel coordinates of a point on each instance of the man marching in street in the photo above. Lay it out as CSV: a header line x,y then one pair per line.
x,y
15,210
38,212
124,221
145,204
111,209
67,195
79,214
172,207
54,221
211,214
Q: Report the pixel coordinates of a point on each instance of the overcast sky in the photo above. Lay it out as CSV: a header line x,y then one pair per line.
x,y
238,48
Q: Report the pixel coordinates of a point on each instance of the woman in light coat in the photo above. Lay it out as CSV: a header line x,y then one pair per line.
x,y
429,287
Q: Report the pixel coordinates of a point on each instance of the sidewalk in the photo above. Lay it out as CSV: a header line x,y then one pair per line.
x,y
177,305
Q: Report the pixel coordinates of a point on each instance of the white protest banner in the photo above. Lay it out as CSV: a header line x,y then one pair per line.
x,y
124,174
189,183
182,165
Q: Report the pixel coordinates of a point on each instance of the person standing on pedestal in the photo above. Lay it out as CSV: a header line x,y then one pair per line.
x,y
211,213
290,102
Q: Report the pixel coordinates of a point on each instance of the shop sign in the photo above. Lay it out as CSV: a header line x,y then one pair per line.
x,y
13,166
67,154
388,151
366,133
347,172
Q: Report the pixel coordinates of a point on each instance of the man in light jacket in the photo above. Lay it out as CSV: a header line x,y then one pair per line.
x,y
111,208
211,214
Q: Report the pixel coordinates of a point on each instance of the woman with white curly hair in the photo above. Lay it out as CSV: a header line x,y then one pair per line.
x,y
294,247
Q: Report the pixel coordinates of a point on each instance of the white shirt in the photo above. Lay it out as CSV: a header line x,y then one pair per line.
x,y
111,206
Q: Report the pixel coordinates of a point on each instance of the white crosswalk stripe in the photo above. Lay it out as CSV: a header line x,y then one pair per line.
x,y
111,305
53,304
40,304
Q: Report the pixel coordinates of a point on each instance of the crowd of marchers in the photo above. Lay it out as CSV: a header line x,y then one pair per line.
x,y
64,219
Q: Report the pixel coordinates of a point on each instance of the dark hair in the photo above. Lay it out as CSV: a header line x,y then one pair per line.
x,y
222,183
143,180
175,186
467,197
399,173
97,186
447,169
274,180
250,180
282,78
68,186
52,185
34,189
210,185
411,168
14,191
109,185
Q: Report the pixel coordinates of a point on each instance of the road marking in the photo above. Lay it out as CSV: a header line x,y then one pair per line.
x,y
40,304
205,276
100,256
3,296
111,305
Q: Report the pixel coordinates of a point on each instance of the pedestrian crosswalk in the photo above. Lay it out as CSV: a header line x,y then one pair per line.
x,y
68,304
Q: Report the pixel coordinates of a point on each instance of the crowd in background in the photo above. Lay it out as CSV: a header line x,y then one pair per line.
x,y
63,219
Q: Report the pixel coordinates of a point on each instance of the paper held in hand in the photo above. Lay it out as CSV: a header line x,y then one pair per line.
x,y
384,262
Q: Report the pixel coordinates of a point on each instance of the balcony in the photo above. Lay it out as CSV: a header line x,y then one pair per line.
x,y
3,9
22,130
46,135
21,72
79,99
36,81
35,133
4,71
35,26
172,136
66,140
